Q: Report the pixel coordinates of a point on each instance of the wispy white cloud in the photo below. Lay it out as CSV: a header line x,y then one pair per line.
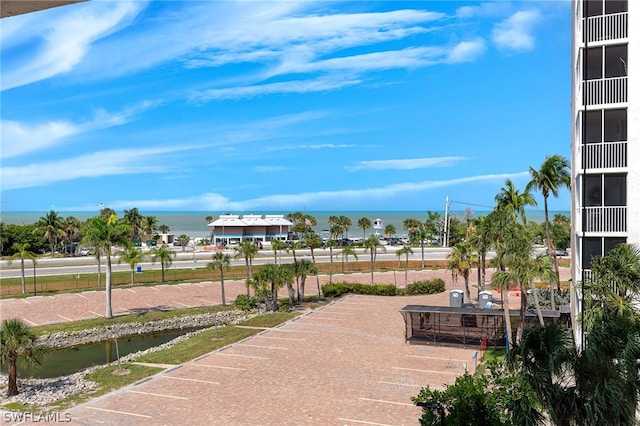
x,y
20,138
268,169
63,38
312,146
103,163
467,51
213,201
407,164
515,33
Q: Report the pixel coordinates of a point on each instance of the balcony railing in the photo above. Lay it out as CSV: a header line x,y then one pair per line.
x,y
605,27
605,91
605,219
604,155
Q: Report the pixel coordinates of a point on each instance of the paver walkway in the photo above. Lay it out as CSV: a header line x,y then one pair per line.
x,y
344,364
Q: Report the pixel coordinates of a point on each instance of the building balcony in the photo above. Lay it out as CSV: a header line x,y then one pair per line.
x,y
605,91
605,219
604,155
605,28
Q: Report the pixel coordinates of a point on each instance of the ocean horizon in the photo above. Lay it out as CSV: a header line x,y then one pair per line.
x,y
193,224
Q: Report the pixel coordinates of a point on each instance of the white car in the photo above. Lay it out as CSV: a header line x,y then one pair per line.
x,y
86,251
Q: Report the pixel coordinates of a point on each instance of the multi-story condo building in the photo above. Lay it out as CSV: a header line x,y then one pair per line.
x,y
605,136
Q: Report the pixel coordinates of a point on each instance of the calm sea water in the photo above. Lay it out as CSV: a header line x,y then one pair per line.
x,y
194,225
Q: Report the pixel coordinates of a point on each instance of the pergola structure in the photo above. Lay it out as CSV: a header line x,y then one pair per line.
x,y
483,328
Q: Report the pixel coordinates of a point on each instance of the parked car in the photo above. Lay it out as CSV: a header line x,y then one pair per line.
x,y
86,251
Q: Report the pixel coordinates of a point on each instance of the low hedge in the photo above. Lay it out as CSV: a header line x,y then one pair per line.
x,y
340,288
433,286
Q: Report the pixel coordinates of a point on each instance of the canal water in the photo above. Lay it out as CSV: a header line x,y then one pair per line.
x,y
63,362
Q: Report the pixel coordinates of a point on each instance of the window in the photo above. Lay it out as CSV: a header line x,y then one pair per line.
x,y
613,194
597,246
597,7
615,125
593,126
607,61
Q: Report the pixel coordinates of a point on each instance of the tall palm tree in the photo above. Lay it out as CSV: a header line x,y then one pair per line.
x,y
17,340
71,231
209,219
132,256
480,241
150,226
277,246
164,255
513,201
135,221
104,233
292,247
50,227
247,250
553,174
406,251
461,260
364,223
389,230
268,280
346,252
372,245
313,241
220,262
183,240
301,270
22,252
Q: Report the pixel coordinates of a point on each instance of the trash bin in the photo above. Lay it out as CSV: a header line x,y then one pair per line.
x,y
484,300
139,269
456,298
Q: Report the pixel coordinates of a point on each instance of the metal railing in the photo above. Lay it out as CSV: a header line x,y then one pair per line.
x,y
606,27
605,91
605,219
604,155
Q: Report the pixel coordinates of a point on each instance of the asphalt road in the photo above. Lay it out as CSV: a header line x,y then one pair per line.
x,y
88,264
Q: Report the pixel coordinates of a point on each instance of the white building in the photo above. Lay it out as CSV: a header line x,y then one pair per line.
x,y
606,125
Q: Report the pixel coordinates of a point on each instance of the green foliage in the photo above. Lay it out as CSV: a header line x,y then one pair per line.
x,y
432,286
23,234
339,289
245,303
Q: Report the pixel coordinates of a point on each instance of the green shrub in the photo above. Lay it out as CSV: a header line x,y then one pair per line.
x,y
245,303
432,286
338,289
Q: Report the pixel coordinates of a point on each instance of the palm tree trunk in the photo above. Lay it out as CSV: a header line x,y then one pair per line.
x,y
507,318
302,282
292,295
372,266
248,265
555,258
132,275
12,387
422,250
24,287
537,304
224,303
108,313
330,264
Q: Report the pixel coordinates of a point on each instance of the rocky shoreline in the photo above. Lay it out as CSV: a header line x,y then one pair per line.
x,y
40,392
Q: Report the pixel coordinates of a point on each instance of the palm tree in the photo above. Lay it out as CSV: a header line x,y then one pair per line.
x,y
301,270
209,219
135,221
277,246
461,261
365,224
50,227
372,245
104,233
511,200
346,252
313,241
71,231
248,250
343,222
183,240
164,229
132,256
389,230
22,252
268,280
220,262
164,255
332,243
292,247
405,250
17,340
149,226
554,174
480,241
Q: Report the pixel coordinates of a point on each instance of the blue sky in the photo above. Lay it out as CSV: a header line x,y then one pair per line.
x,y
256,106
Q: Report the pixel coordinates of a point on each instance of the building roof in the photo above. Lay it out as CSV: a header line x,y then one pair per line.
x,y
254,220
18,7
228,220
277,219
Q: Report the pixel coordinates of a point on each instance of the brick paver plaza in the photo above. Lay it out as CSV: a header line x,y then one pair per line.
x,y
344,364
